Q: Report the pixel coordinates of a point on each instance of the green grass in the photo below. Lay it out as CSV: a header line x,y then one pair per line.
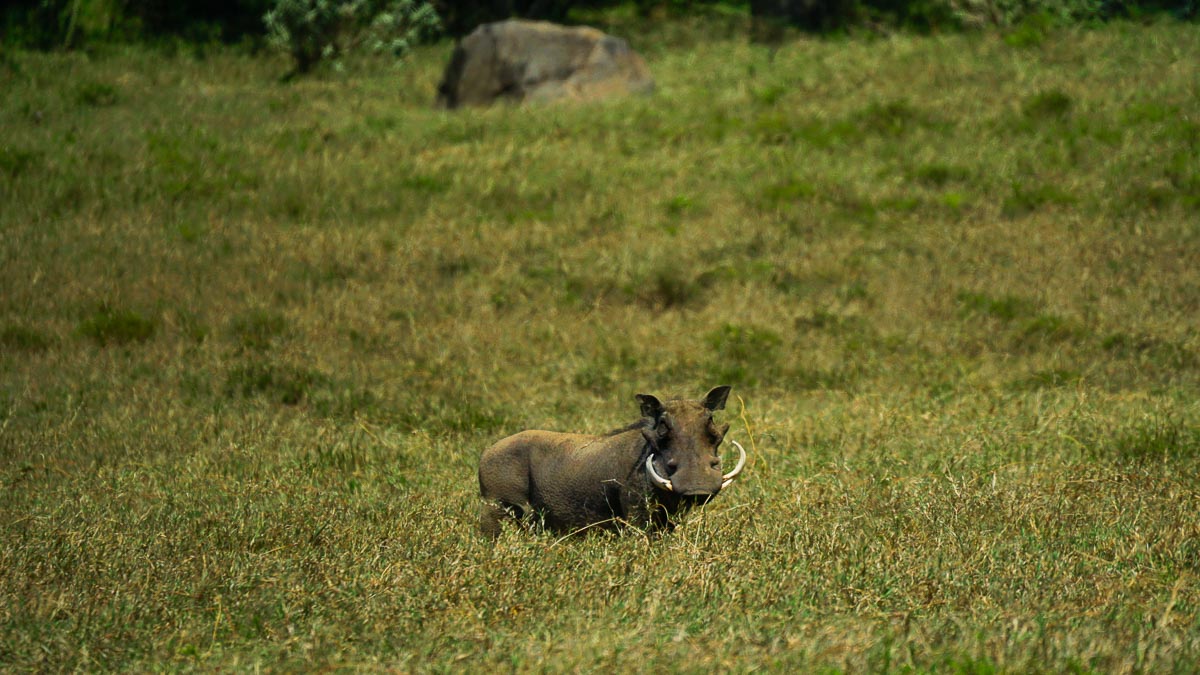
x,y
253,337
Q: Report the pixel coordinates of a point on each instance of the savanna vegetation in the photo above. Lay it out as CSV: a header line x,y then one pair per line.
x,y
254,335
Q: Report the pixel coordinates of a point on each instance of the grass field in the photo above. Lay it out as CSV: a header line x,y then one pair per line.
x,y
254,335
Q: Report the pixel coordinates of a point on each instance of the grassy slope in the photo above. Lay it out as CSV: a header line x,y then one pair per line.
x,y
254,336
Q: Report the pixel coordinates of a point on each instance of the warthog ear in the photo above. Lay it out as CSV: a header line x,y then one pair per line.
x,y
715,399
651,406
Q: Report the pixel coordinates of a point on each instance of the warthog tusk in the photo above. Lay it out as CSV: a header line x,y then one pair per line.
x,y
728,478
655,478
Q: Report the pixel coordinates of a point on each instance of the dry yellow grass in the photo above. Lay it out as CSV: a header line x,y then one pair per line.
x,y
255,335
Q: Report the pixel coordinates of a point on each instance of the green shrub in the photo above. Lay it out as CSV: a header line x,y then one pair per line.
x,y
1030,31
920,15
461,18
809,15
1030,21
321,30
1180,9
56,23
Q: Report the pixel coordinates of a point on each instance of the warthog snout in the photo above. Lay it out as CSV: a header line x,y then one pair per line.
x,y
666,462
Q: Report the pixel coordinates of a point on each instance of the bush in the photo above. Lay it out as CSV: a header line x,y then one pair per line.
x,y
196,20
929,15
460,18
55,23
1029,15
834,15
813,15
321,30
45,24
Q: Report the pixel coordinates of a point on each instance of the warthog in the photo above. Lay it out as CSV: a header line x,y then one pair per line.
x,y
643,474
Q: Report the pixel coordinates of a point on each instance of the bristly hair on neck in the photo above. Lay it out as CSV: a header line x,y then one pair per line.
x,y
642,423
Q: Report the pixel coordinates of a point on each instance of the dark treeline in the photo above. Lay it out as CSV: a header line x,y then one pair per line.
x,y
70,23
54,23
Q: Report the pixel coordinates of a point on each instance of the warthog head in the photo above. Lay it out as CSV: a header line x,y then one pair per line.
x,y
683,441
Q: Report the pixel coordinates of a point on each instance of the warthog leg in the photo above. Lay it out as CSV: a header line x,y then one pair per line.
x,y
492,512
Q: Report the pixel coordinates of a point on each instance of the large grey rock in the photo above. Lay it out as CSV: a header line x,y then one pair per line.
x,y
522,60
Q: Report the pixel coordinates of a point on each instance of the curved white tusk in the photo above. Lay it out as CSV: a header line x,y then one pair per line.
x,y
728,478
655,478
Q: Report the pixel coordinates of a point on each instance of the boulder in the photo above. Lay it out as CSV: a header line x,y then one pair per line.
x,y
519,60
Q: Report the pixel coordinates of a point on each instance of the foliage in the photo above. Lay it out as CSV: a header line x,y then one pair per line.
x,y
930,15
254,337
47,24
73,23
462,17
312,31
52,23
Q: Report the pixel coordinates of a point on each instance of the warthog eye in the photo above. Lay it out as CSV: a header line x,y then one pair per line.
x,y
717,434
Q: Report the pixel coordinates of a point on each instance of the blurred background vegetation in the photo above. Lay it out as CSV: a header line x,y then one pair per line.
x,y
77,23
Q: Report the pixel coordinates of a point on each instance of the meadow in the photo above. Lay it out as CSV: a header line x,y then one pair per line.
x,y
254,335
